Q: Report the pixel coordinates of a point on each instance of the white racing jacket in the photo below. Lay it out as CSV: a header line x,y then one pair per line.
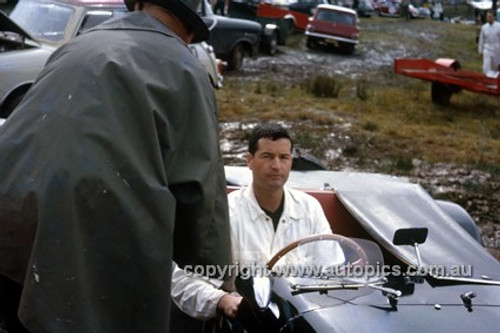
x,y
254,242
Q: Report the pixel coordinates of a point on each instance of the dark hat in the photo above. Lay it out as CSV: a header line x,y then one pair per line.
x,y
186,11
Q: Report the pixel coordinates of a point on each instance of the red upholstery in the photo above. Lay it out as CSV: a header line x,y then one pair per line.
x,y
341,221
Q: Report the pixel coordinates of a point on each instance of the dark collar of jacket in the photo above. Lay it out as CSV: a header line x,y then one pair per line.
x,y
139,21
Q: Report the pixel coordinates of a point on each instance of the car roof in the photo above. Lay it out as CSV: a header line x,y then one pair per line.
x,y
337,8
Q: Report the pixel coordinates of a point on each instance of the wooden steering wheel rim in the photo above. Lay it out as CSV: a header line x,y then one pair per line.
x,y
312,238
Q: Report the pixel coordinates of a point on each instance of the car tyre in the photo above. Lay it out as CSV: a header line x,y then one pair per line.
x,y
348,48
441,92
311,43
271,43
235,61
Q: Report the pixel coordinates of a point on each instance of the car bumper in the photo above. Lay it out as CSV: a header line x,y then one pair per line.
x,y
329,39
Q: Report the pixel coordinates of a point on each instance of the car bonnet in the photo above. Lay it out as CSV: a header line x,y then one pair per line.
x,y
7,25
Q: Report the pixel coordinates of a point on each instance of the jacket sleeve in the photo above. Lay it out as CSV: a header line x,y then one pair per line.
x,y
188,135
196,296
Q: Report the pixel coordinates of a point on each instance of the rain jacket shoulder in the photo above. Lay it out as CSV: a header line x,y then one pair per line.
x,y
110,168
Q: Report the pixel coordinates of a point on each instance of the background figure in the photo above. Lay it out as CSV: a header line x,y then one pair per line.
x,y
220,7
404,9
103,183
489,45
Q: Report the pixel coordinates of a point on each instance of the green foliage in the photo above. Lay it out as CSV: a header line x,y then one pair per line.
x,y
370,126
362,89
322,85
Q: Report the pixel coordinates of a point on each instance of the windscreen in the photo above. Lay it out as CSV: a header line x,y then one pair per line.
x,y
336,17
43,21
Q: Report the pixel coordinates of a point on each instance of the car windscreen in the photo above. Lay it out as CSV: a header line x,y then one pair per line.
x,y
43,21
96,17
336,17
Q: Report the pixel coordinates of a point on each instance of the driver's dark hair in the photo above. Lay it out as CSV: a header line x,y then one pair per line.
x,y
271,131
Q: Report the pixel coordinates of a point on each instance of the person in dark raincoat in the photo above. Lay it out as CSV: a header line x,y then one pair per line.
x,y
110,168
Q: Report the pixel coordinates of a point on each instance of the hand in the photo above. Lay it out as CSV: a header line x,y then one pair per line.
x,y
229,304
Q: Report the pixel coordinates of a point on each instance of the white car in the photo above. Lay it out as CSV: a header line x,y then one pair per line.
x,y
36,28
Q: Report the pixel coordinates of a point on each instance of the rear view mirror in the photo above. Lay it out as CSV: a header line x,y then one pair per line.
x,y
413,237
410,236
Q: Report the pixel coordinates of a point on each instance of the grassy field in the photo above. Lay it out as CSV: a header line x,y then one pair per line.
x,y
390,116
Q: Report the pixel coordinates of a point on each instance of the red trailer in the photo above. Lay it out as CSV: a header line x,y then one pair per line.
x,y
447,77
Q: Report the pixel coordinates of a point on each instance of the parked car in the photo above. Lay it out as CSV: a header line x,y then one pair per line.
x,y
267,15
35,29
388,8
333,26
306,6
213,65
391,8
419,12
231,38
365,8
410,263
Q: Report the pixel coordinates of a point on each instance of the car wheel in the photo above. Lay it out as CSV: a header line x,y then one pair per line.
x,y
235,61
311,43
441,93
11,104
349,49
271,43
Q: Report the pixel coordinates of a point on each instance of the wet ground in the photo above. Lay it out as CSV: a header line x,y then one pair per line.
x,y
369,56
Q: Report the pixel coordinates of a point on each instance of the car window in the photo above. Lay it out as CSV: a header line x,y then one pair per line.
x,y
95,17
43,20
336,17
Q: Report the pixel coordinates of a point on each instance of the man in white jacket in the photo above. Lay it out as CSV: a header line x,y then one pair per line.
x,y
489,45
264,217
267,216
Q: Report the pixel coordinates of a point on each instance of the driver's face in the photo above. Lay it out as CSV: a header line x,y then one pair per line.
x,y
271,163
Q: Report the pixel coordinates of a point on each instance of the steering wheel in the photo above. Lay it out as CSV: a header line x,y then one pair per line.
x,y
363,258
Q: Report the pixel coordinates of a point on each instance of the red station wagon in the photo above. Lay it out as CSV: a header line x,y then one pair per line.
x,y
333,26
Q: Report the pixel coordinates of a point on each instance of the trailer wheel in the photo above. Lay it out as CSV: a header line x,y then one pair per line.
x,y
441,93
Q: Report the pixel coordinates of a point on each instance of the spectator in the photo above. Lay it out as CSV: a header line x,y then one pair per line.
x,y
104,183
489,45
